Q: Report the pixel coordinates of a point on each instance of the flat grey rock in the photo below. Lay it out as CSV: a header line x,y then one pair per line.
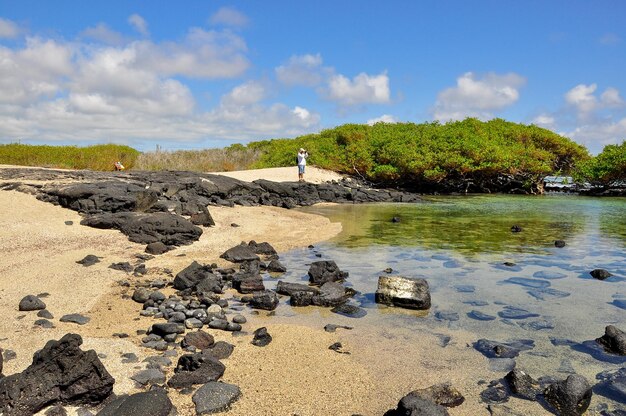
x,y
215,397
149,377
75,318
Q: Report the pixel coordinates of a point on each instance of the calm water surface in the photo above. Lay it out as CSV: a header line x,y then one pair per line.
x,y
460,245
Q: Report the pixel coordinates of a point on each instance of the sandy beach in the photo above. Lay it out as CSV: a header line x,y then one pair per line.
x,y
295,375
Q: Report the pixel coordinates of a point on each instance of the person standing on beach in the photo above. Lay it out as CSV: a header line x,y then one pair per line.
x,y
302,155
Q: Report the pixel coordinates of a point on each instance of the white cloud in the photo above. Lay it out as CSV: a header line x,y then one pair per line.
x,y
33,72
139,24
478,97
102,33
84,92
597,135
583,99
229,16
202,54
303,70
246,94
362,89
8,29
544,120
385,118
611,98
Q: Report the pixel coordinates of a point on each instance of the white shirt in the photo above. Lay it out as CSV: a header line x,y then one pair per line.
x,y
302,158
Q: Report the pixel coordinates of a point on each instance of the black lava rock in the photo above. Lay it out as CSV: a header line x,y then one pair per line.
x,y
89,260
600,274
31,303
522,385
570,397
60,373
324,271
261,337
613,340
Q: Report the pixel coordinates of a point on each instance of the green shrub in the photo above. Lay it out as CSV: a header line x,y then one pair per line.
x,y
608,166
98,157
411,154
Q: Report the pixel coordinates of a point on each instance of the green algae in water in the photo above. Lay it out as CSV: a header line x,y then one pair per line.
x,y
480,224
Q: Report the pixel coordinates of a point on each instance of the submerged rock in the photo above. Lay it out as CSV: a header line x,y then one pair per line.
x,y
522,385
600,274
404,292
613,340
612,385
495,349
570,397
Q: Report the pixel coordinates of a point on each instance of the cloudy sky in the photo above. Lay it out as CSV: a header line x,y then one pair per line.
x,y
196,74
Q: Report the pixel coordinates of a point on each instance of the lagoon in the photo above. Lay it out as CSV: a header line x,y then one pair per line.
x,y
486,282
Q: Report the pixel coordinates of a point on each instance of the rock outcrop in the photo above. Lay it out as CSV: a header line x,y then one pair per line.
x,y
60,373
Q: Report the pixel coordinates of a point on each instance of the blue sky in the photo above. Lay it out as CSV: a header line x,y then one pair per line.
x,y
199,74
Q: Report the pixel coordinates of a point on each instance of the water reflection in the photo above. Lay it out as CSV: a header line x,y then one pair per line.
x,y
480,224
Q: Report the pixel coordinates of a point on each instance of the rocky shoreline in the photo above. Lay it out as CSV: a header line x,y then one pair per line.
x,y
150,207
184,305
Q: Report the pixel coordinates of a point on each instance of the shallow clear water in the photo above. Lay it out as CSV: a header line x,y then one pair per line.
x,y
460,245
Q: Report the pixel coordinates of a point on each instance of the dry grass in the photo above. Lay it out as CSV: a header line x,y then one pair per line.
x,y
208,160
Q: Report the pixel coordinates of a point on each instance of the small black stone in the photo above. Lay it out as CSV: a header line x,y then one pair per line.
x,y
261,337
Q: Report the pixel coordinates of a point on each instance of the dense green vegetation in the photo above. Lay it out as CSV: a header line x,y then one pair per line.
x,y
608,166
419,154
99,157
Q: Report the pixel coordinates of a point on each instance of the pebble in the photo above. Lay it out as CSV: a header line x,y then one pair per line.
x,y
44,313
44,323
239,319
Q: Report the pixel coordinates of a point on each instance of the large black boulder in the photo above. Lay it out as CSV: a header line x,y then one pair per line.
x,y
266,300
104,196
330,294
145,228
324,271
60,373
570,397
191,275
239,254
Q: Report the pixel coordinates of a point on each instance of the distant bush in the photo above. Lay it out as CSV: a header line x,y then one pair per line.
x,y
608,166
235,157
98,157
409,154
